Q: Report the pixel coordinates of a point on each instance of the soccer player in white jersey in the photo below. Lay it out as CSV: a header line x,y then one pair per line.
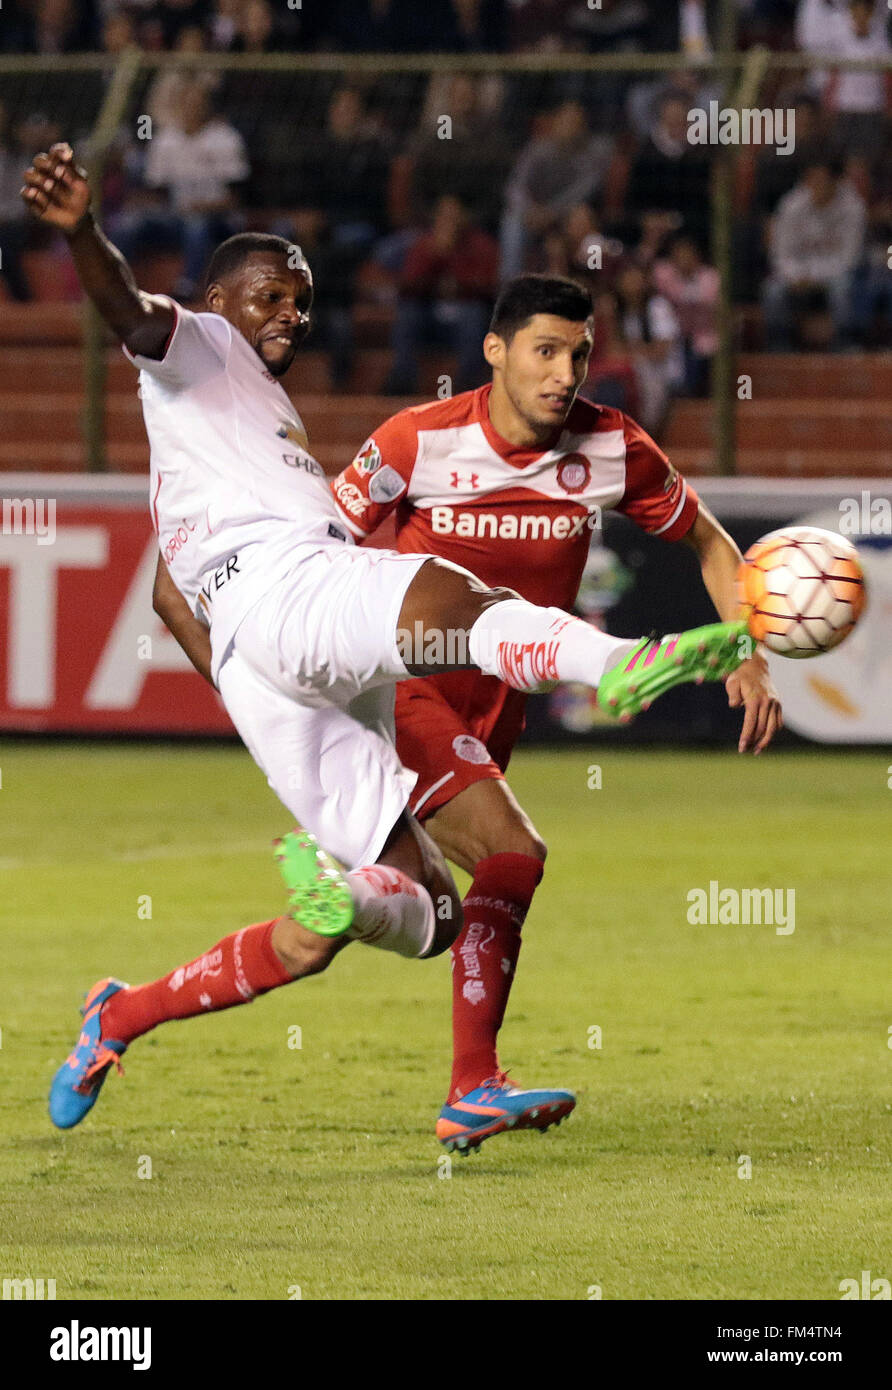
x,y
304,632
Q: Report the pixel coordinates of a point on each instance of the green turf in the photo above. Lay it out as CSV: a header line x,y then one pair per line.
x,y
275,1167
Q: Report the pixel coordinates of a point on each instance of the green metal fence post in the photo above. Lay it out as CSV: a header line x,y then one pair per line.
x,y
108,121
723,396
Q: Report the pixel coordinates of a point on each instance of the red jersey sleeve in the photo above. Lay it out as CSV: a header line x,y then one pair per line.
x,y
657,498
372,485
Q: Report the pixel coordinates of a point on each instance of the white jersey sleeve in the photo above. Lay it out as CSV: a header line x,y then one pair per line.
x,y
197,349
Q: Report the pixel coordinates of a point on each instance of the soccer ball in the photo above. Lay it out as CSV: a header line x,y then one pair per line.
x,y
801,590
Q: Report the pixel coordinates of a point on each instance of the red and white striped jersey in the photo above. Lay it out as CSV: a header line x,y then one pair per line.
x,y
513,516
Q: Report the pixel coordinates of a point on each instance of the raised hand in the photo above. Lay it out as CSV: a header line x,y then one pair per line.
x,y
56,190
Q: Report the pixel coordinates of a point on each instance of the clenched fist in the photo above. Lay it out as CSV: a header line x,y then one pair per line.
x,y
56,189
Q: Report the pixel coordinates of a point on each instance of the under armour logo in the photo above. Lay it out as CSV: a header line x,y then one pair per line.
x,y
472,482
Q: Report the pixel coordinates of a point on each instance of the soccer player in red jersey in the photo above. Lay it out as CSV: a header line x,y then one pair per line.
x,y
508,481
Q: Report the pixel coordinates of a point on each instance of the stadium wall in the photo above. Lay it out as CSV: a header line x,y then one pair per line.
x,y
81,649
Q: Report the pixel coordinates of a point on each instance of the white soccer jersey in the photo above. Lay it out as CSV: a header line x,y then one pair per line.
x,y
236,499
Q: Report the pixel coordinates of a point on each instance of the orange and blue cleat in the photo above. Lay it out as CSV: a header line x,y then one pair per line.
x,y
498,1104
78,1081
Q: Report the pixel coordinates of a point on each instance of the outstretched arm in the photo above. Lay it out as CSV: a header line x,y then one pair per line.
x,y
750,685
175,613
56,192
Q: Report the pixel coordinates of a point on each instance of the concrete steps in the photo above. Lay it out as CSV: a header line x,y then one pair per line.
x,y
810,416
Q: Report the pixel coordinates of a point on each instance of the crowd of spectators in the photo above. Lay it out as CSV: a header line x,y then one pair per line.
x,y
415,196
385,26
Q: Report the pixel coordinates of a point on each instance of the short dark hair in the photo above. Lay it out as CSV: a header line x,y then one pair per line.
x,y
538,294
231,254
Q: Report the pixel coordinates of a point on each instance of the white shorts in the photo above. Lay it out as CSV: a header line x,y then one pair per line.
x,y
309,685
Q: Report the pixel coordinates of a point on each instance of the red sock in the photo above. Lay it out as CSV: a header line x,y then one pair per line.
x,y
232,972
483,961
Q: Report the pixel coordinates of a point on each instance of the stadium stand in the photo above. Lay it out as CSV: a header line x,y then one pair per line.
x,y
369,169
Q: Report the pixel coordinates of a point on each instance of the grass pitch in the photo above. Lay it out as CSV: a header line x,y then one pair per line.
x,y
280,1171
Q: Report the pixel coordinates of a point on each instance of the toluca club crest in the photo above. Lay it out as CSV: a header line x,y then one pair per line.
x,y
574,473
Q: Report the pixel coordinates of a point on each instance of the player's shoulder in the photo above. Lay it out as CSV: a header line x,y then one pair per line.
x,y
587,417
450,413
198,342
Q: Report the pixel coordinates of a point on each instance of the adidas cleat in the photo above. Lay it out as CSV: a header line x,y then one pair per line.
x,y
657,664
496,1106
319,896
79,1080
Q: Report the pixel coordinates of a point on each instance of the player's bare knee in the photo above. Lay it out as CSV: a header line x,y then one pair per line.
x,y
530,842
510,834
498,595
302,952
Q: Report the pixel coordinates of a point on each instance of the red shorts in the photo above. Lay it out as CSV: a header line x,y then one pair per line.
x,y
454,730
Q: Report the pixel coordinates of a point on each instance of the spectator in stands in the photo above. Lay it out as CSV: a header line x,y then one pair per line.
x,y
194,168
692,288
118,32
334,265
820,24
223,24
446,292
669,174
555,172
164,21
13,226
169,88
256,28
612,379
482,25
859,100
816,243
578,248
61,26
615,26
468,156
542,26
655,230
775,175
872,299
650,327
341,169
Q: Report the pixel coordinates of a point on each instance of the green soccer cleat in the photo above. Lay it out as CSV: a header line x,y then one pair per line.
x,y
319,896
657,664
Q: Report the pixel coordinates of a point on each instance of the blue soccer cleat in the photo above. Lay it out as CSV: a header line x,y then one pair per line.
x,y
78,1081
498,1105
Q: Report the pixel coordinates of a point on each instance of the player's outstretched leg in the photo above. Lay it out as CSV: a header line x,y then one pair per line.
x,y
530,648
328,908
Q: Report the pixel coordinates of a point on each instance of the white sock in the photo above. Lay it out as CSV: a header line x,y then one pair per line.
x,y
530,647
393,912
